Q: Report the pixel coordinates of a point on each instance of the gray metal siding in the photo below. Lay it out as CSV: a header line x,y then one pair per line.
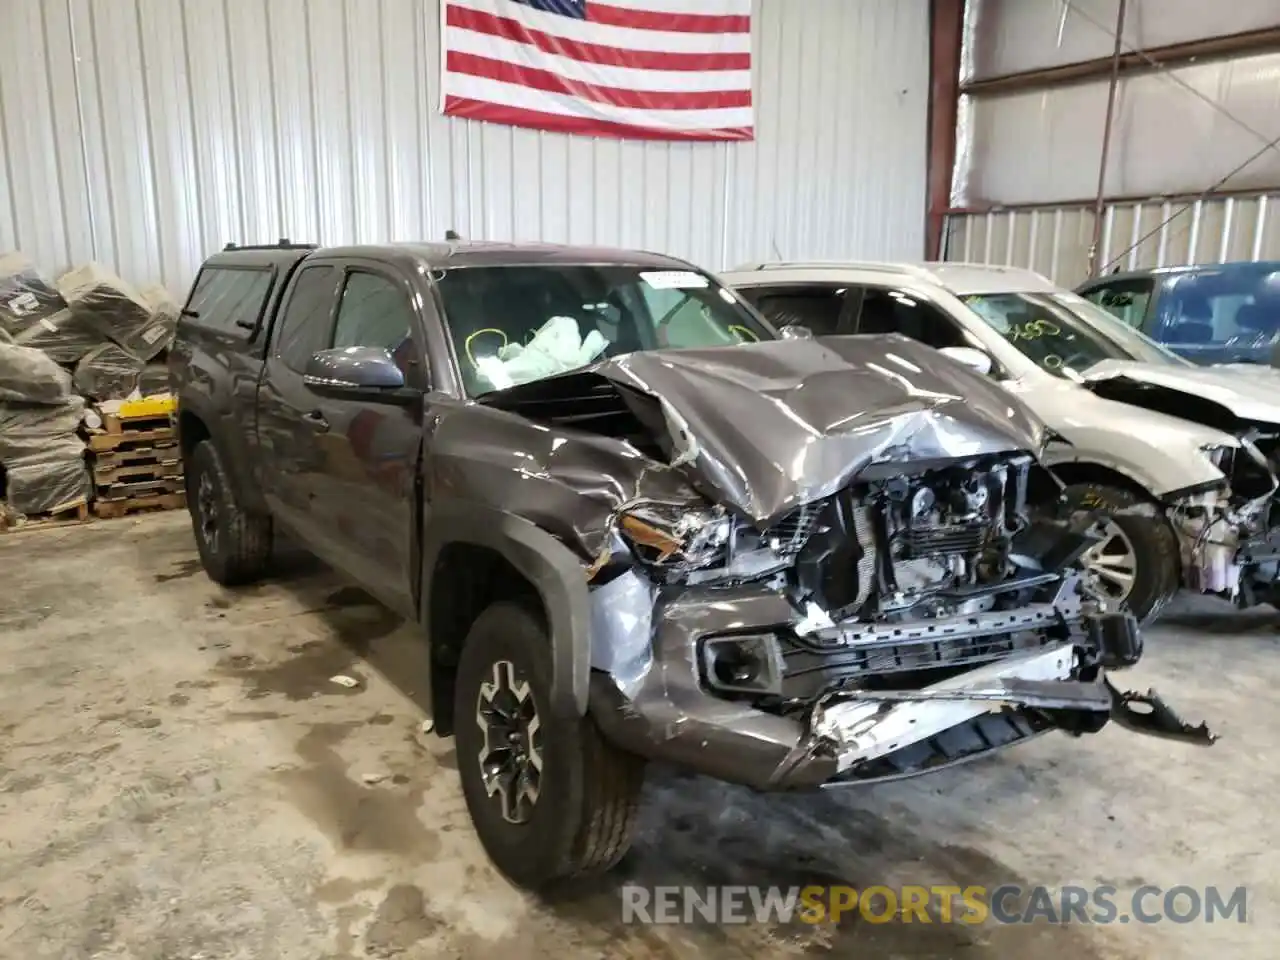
x,y
146,133
1055,241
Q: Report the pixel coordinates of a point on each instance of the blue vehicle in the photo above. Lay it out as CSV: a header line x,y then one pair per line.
x,y
1208,313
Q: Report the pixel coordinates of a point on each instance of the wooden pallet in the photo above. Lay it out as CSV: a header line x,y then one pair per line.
x,y
66,515
110,509
131,440
110,475
162,452
117,425
132,487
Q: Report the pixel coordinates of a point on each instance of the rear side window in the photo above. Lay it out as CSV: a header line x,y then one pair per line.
x,y
817,308
304,325
1126,299
229,299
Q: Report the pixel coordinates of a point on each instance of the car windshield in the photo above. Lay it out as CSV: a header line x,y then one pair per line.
x,y
516,324
1063,333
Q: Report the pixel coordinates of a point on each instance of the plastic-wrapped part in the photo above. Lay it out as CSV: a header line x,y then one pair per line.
x,y
115,310
25,448
25,296
28,375
34,314
154,379
63,337
108,372
46,480
28,424
164,315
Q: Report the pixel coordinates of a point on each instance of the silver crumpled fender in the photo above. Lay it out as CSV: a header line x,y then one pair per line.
x,y
1162,454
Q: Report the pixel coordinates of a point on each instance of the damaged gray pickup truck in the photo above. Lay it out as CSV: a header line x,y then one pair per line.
x,y
635,523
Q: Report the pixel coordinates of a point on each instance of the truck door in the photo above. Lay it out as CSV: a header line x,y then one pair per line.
x,y
289,417
365,494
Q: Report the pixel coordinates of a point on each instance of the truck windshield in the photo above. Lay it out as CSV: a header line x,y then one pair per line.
x,y
515,324
1063,333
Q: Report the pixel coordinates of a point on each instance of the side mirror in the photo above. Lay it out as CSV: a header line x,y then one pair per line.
x,y
357,373
971,357
796,331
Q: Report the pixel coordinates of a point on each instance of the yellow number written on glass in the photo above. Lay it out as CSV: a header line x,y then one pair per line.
x,y
1034,330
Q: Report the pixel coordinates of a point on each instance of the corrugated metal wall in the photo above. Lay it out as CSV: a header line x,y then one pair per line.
x,y
1016,35
1044,145
1055,240
1175,131
145,133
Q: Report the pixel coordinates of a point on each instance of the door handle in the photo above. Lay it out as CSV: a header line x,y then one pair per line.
x,y
315,419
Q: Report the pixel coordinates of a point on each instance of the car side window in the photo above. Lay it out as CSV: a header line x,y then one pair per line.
x,y
893,311
229,299
375,311
1126,299
304,325
816,307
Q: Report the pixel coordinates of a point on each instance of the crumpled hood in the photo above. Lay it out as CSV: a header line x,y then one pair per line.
x,y
1251,395
771,426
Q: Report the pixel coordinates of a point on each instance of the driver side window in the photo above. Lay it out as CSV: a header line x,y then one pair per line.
x,y
375,311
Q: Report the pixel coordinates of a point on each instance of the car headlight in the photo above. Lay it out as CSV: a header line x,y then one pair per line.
x,y
676,537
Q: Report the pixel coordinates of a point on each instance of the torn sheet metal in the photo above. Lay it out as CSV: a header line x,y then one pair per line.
x,y
760,428
783,423
1250,395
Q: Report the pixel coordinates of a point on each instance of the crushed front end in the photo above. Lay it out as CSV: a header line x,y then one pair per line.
x,y
913,619
1230,534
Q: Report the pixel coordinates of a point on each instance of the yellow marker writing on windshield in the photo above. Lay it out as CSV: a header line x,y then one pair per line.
x,y
1034,330
467,343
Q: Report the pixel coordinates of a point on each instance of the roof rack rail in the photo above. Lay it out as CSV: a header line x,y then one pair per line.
x,y
284,243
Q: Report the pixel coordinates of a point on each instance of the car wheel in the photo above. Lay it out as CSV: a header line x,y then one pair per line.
x,y
1137,565
234,543
549,797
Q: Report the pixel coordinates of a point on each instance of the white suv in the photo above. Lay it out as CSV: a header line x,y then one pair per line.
x,y
1178,460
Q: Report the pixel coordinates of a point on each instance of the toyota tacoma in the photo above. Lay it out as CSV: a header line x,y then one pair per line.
x,y
636,523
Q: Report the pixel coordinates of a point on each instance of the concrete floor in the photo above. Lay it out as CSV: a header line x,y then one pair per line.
x,y
179,778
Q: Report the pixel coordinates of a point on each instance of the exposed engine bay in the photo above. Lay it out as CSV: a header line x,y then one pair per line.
x,y
1230,537
906,576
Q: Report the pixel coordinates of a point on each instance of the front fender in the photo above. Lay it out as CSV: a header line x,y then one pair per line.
x,y
1160,464
555,571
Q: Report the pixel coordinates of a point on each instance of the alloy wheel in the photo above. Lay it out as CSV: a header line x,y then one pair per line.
x,y
207,511
511,756
1113,563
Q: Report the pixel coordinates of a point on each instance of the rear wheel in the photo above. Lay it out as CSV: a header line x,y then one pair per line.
x,y
549,797
1137,565
234,543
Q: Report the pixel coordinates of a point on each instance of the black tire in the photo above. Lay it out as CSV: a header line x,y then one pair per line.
x,y
583,820
234,543
1158,573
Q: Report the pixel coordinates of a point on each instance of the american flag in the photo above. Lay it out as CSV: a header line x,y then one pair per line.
x,y
643,69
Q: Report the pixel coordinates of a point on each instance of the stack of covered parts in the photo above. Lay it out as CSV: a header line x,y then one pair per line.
x,y
34,314
91,322
40,447
132,328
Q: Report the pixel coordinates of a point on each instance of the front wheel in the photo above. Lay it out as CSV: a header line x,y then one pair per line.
x,y
549,797
1137,565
